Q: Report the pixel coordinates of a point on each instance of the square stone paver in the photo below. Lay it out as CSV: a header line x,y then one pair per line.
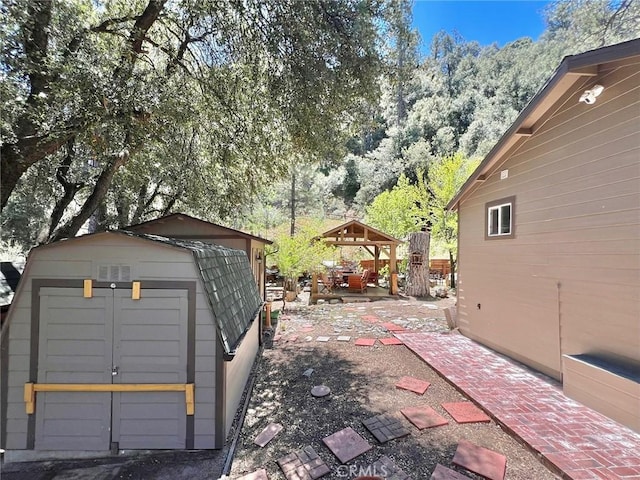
x,y
291,338
267,434
465,412
390,341
480,460
424,417
323,339
365,342
392,327
443,473
303,464
343,338
385,468
346,444
370,318
413,385
257,475
386,426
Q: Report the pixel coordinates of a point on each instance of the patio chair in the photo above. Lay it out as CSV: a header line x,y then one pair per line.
x,y
358,283
325,285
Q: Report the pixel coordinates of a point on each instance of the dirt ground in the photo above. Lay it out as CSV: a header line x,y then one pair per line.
x,y
362,382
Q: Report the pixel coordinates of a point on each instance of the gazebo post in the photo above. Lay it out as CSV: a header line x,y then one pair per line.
x,y
393,274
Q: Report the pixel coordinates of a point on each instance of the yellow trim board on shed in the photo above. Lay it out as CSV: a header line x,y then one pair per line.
x,y
30,390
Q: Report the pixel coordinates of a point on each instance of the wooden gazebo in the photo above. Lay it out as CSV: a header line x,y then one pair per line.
x,y
358,234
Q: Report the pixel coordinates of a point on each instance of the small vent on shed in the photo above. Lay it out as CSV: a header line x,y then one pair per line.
x,y
114,273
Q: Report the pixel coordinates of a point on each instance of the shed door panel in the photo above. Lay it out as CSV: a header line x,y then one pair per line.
x,y
75,346
150,346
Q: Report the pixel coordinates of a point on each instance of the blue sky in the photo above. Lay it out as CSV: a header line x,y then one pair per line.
x,y
484,21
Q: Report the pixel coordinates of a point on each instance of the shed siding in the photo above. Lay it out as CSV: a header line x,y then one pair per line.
x,y
569,280
149,261
237,372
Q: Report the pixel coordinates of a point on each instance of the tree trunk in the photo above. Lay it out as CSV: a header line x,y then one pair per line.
x,y
71,228
452,262
418,267
293,204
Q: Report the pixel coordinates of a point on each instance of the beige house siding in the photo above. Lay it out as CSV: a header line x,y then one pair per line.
x,y
568,282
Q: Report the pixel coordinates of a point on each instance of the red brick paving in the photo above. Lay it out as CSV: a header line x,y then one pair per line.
x,y
576,440
365,342
480,460
465,412
424,417
413,385
390,341
443,473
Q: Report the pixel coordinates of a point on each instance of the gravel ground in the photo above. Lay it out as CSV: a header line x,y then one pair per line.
x,y
362,382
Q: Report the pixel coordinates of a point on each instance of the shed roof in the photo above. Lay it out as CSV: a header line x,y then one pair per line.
x,y
228,282
183,217
574,68
10,273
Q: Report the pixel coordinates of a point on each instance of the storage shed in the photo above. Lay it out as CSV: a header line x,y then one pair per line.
x,y
130,341
185,227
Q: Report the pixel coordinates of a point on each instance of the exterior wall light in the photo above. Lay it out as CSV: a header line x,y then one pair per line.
x,y
589,96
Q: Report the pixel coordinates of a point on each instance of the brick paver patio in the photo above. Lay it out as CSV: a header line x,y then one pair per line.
x,y
576,440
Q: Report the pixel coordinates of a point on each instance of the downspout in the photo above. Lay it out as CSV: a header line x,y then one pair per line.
x,y
558,285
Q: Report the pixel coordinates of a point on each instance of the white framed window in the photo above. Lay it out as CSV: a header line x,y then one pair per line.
x,y
500,218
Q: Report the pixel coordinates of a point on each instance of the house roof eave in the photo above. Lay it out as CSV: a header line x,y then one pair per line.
x,y
571,70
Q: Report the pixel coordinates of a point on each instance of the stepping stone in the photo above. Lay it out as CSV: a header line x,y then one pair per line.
x,y
431,306
306,330
443,473
257,475
392,327
370,318
292,338
465,412
323,339
267,434
365,342
390,341
346,444
320,391
344,338
480,460
385,427
303,464
413,385
424,417
385,468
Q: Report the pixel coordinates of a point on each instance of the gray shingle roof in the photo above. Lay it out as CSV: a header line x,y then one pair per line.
x,y
228,282
10,273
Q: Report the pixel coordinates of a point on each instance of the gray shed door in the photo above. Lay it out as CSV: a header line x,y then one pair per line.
x,y
87,340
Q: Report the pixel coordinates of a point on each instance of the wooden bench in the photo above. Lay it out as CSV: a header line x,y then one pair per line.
x,y
611,388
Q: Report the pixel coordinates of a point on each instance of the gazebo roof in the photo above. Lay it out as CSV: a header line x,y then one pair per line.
x,y
358,234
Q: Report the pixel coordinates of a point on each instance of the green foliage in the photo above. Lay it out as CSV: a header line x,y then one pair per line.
x,y
445,177
299,253
398,211
196,112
